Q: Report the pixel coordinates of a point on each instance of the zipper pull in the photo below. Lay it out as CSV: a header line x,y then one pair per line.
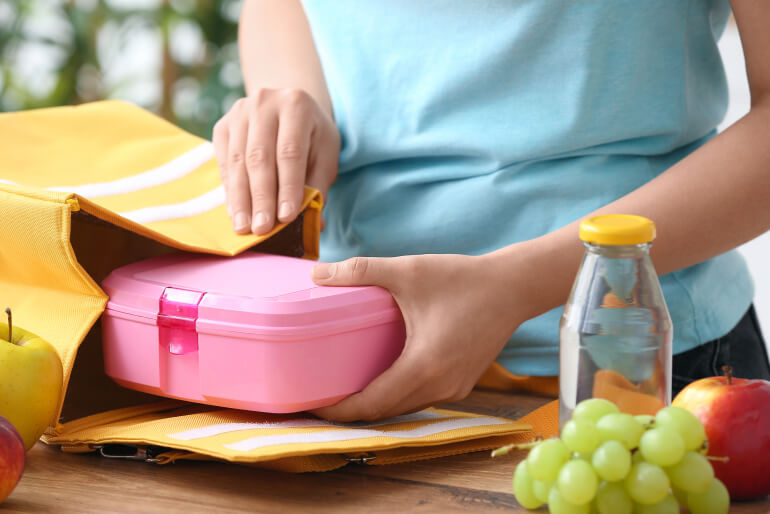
x,y
129,452
360,458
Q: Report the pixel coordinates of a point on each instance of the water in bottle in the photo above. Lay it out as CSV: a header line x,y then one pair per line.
x,y
615,333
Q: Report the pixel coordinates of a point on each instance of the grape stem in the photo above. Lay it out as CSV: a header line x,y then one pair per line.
x,y
505,450
704,449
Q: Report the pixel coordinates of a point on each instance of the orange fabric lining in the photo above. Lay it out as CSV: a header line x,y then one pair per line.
x,y
614,387
500,379
545,419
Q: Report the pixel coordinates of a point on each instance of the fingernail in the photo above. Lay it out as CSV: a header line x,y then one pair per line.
x,y
285,210
323,271
260,220
241,221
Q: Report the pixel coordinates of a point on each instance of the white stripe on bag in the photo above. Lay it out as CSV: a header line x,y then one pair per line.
x,y
328,436
163,174
193,207
223,428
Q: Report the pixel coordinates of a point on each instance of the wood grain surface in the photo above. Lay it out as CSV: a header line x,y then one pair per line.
x,y
58,482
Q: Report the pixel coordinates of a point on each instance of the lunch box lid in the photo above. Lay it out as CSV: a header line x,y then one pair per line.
x,y
252,293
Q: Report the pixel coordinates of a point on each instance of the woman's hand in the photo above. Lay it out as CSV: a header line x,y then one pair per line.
x,y
269,146
459,313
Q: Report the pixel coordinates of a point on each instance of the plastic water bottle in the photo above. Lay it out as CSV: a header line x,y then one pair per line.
x,y
615,333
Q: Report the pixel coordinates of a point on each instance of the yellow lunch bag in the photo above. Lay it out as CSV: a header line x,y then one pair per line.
x,y
87,189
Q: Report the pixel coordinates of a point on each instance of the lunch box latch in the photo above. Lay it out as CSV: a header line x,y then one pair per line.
x,y
176,320
178,357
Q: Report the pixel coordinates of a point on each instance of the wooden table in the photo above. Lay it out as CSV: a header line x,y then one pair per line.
x,y
58,482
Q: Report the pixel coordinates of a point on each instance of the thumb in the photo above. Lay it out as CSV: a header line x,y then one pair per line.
x,y
358,271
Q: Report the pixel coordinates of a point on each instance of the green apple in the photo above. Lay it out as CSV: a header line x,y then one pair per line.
x,y
30,381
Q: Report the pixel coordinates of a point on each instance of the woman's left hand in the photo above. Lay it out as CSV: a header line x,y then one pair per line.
x,y
459,312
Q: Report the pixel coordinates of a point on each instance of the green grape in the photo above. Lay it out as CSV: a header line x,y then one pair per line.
x,y
522,487
612,461
692,474
662,446
620,427
557,504
679,494
541,489
580,435
583,456
637,457
683,421
668,505
644,419
593,409
545,459
612,498
577,482
647,483
715,500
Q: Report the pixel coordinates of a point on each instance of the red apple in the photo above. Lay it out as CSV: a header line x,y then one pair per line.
x,y
12,458
736,415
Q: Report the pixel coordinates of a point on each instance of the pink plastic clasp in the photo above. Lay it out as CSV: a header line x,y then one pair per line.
x,y
176,320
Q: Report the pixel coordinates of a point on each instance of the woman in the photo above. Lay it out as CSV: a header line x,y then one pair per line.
x,y
466,139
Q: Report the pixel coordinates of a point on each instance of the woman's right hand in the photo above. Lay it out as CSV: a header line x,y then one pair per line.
x,y
269,145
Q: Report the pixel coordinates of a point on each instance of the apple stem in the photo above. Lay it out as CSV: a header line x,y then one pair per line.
x,y
728,371
10,324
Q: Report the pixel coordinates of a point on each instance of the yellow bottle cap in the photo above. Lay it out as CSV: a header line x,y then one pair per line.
x,y
617,229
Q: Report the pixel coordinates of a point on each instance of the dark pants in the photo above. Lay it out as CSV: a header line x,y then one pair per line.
x,y
743,348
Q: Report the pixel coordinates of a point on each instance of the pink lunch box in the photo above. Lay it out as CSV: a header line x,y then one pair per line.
x,y
248,332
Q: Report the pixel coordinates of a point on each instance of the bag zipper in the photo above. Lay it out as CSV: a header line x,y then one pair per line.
x,y
361,459
130,452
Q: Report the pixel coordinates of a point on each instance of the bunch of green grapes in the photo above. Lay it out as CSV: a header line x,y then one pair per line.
x,y
615,463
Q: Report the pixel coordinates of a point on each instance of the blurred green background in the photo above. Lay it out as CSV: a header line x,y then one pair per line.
x,y
177,58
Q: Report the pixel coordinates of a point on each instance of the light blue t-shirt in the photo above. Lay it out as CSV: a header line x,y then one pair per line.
x,y
471,125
